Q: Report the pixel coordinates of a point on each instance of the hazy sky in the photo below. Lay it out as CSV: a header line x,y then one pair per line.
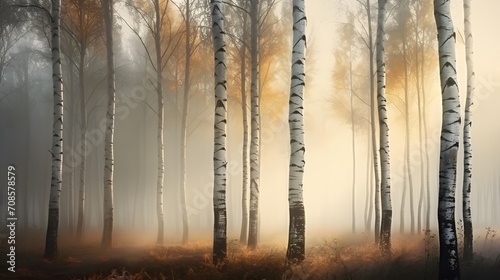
x,y
324,17
328,160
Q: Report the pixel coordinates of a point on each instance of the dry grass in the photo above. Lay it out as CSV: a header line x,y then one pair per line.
x,y
345,258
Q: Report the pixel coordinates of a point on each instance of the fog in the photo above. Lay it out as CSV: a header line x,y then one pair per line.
x,y
26,128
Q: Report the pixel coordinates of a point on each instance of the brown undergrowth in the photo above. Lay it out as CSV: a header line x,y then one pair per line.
x,y
344,258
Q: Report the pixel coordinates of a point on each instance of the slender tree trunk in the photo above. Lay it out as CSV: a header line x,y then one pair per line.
x,y
51,251
385,228
374,119
219,199
83,150
245,182
353,139
424,120
403,196
407,130
420,134
367,190
450,132
71,152
467,184
255,130
187,73
296,231
110,129
161,116
372,186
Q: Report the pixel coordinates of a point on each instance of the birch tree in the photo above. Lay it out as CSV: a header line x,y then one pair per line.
x,y
220,121
158,24
296,230
106,242
244,111
450,132
373,120
82,24
385,227
255,128
9,34
166,40
347,65
51,251
467,184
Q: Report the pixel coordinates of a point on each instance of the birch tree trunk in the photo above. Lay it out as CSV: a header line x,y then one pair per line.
x,y
419,44
51,251
467,184
353,143
403,195
244,111
424,120
255,129
385,228
367,187
185,100
296,232
374,118
161,117
450,132
83,164
407,134
369,184
220,164
107,233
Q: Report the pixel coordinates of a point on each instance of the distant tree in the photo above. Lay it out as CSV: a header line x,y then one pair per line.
x,y
255,128
238,31
385,228
220,123
166,38
51,251
244,111
273,59
403,18
82,26
348,61
467,184
107,234
374,117
296,231
450,132
10,33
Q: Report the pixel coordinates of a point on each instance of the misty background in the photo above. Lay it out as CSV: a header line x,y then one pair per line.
x,y
26,127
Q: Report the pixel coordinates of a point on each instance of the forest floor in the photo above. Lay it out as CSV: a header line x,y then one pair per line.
x,y
347,258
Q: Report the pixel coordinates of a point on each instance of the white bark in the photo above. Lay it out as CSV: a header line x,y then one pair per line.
x,y
110,128
419,44
255,129
83,165
296,232
245,178
185,100
220,122
385,228
467,183
161,114
450,132
373,120
424,120
57,140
